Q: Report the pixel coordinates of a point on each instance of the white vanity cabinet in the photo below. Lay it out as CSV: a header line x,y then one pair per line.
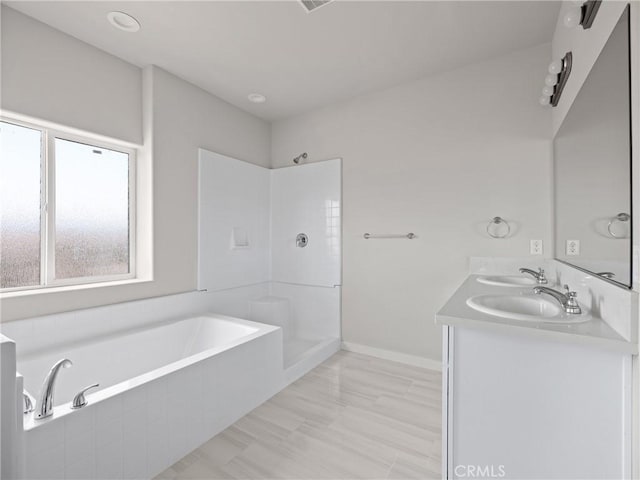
x,y
520,406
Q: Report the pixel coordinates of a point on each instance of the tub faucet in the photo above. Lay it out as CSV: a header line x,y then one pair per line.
x,y
45,406
567,299
538,276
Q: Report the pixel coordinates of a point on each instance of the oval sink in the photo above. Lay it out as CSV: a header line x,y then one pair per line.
x,y
528,308
507,280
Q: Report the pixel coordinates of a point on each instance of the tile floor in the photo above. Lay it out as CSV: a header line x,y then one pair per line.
x,y
353,417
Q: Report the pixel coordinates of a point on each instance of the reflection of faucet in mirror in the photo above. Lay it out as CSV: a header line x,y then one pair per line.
x,y
539,276
606,274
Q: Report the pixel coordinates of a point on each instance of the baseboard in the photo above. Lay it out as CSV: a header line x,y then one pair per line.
x,y
413,360
311,360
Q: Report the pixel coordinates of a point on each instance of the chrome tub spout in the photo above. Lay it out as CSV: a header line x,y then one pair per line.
x,y
45,406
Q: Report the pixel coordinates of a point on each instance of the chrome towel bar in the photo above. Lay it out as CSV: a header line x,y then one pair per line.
x,y
410,236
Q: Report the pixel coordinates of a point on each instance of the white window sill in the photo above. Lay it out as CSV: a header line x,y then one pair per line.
x,y
71,288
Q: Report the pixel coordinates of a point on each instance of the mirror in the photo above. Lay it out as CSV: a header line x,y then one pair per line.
x,y
592,168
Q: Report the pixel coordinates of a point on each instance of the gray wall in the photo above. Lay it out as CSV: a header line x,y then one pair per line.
x,y
179,118
438,157
49,75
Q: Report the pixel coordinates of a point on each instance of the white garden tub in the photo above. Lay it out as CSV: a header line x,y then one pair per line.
x,y
164,389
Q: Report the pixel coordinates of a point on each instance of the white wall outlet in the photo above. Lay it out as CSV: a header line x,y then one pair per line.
x,y
573,247
535,247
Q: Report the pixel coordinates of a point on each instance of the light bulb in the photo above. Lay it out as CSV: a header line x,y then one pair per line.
x,y
555,67
550,80
547,91
573,17
544,100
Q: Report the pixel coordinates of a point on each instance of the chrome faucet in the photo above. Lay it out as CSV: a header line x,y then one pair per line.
x,y
567,299
45,406
79,401
538,276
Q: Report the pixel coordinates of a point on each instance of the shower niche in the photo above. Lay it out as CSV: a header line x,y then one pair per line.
x,y
250,260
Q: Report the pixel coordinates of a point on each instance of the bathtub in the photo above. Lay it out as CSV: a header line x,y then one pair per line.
x,y
164,389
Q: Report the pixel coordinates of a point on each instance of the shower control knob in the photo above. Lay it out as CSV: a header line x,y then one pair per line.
x,y
302,240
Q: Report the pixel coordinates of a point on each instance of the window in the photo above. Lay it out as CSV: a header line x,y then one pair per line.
x,y
66,209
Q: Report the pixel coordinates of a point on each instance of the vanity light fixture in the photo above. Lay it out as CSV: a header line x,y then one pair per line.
x,y
556,79
583,14
123,21
256,98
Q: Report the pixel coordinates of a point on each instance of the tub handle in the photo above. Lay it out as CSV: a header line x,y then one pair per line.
x,y
29,404
79,401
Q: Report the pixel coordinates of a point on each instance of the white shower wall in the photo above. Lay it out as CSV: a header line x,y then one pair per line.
x,y
306,199
264,210
233,198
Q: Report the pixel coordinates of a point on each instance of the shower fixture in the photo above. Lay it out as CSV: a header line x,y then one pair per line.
x,y
311,5
302,156
302,240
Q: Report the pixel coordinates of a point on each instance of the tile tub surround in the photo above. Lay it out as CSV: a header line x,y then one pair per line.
x,y
316,313
123,361
10,402
354,416
143,429
38,333
35,334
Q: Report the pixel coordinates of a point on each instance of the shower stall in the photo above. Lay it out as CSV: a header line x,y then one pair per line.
x,y
270,250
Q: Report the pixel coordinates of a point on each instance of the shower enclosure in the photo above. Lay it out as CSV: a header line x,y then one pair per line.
x,y
270,250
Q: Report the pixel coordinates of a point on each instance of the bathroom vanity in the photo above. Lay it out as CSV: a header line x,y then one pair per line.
x,y
532,399
530,388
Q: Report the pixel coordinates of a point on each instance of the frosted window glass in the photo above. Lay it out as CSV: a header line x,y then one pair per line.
x,y
92,210
20,157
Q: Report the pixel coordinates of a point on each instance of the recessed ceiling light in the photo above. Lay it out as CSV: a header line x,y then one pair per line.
x,y
257,98
123,21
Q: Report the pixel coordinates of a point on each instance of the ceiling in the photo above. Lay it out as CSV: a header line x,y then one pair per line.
x,y
301,60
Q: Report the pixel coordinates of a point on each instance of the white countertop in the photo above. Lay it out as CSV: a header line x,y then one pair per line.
x,y
594,332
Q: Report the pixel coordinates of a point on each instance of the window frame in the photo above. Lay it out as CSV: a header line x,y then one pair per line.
x,y
48,211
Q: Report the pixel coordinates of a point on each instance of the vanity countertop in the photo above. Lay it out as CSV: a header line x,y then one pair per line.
x,y
594,332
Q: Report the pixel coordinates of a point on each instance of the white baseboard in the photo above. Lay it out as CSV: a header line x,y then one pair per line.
x,y
311,360
413,360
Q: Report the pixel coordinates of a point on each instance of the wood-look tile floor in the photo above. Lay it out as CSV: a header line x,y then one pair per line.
x,y
352,417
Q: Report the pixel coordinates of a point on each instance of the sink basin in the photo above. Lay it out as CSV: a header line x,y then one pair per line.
x,y
528,308
507,280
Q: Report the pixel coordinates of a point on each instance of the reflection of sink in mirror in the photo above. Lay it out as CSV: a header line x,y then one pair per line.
x,y
507,280
528,308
